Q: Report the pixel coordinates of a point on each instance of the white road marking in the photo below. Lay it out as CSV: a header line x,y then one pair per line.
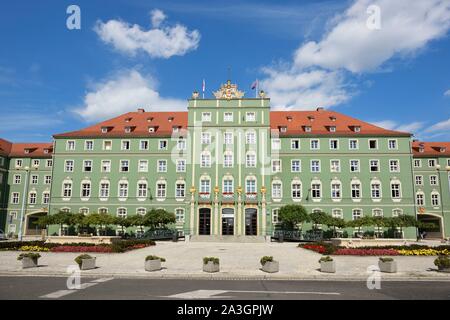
x,y
211,294
62,293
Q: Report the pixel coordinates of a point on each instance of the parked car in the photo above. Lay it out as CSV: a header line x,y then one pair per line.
x,y
2,235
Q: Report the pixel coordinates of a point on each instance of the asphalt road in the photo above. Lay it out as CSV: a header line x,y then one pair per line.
x,y
51,288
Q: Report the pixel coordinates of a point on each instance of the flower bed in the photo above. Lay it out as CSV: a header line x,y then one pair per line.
x,y
34,248
315,247
424,252
366,252
98,249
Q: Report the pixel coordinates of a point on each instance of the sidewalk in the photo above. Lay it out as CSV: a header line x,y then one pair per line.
x,y
237,261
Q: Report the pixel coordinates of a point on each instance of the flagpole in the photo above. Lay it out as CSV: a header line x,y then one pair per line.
x,y
257,87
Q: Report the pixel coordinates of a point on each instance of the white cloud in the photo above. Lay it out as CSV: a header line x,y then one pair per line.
x,y
412,127
447,93
349,46
124,92
440,126
158,42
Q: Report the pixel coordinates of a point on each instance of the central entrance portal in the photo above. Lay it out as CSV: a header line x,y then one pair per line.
x,y
227,222
204,222
251,222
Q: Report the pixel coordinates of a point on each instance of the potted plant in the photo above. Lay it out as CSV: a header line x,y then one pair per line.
x,y
443,263
327,264
29,259
85,262
153,263
269,265
211,264
387,265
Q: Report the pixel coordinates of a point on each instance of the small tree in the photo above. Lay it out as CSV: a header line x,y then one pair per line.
x,y
403,221
45,221
335,223
122,222
137,221
62,218
158,218
318,218
292,215
380,222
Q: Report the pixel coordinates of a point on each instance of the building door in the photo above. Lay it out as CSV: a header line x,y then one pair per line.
x,y
227,222
204,222
251,222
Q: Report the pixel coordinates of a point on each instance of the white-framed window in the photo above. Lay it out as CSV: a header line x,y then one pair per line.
x,y
179,215
420,199
228,186
124,165
397,212
141,211
85,189
373,144
335,165
161,188
334,144
392,144
357,214
107,145
36,163
15,198
206,116
336,190
181,165
296,165
87,165
47,179
125,145
396,192
315,144
337,213
19,163
433,180
122,212
228,138
353,144
123,189
275,215
354,165
68,166
374,165
417,163
181,144
104,189
375,190
250,116
228,159
419,180
180,189
435,199
205,185
12,216
276,165
17,179
250,159
143,166
49,163
250,185
106,165
250,137
394,166
432,163
142,189
162,166
162,145
276,144
277,190
296,190
315,165
316,190
295,144
45,197
70,146
205,159
356,190
32,198
206,138
228,117
89,145
143,145
67,189
377,212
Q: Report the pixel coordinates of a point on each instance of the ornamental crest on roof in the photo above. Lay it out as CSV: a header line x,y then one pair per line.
x,y
228,91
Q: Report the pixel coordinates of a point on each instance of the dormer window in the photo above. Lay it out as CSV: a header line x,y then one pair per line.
x,y
27,151
307,128
170,119
127,129
357,128
332,129
175,129
333,118
311,118
151,129
421,149
106,129
443,149
128,119
149,119
289,118
283,129
45,151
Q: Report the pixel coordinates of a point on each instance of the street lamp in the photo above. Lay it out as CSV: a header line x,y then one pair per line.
x,y
24,201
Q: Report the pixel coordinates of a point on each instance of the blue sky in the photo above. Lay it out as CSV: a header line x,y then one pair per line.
x,y
305,54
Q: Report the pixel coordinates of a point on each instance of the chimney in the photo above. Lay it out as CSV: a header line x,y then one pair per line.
x,y
319,109
141,110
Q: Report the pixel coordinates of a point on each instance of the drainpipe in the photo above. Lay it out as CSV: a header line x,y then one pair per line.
x,y
24,200
440,199
413,185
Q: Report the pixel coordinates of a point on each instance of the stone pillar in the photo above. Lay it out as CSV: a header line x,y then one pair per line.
x,y
239,212
192,213
216,211
263,212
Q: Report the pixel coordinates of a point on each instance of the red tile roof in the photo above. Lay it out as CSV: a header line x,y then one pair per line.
x,y
322,122
138,123
25,150
431,149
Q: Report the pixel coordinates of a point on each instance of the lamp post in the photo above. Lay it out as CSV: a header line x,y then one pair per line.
x,y
24,201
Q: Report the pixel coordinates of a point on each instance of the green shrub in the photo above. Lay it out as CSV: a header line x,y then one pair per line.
x,y
386,259
266,259
124,245
155,258
326,259
442,262
79,259
31,255
213,259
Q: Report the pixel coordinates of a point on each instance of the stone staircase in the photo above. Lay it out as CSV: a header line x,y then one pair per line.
x,y
232,239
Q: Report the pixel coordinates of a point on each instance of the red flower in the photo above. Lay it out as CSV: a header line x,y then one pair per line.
x,y
366,252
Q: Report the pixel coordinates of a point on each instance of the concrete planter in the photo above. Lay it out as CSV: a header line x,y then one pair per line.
x,y
388,266
443,269
87,264
328,266
211,267
270,266
153,265
29,263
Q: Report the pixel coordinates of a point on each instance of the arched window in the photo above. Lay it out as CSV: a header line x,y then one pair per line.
x,y
420,199
435,199
104,189
375,189
396,190
123,189
122,212
296,189
277,190
142,189
336,189
180,189
85,189
161,190
67,189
